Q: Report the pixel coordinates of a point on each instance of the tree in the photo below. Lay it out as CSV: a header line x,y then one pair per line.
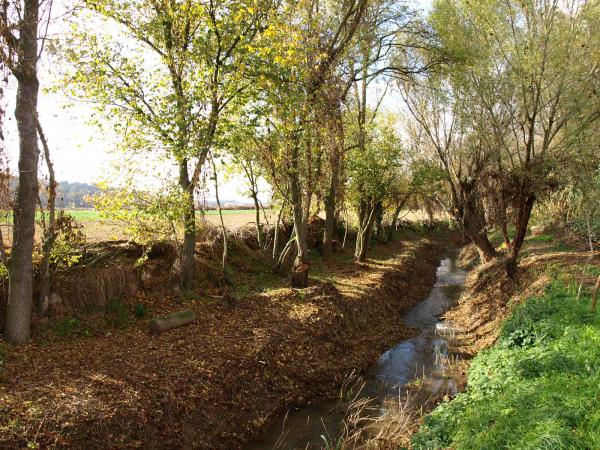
x,y
203,54
373,170
521,62
462,153
20,53
308,43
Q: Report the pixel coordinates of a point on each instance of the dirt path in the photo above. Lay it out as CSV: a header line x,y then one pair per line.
x,y
217,383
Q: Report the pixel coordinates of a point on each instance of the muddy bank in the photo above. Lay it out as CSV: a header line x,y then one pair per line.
x,y
217,383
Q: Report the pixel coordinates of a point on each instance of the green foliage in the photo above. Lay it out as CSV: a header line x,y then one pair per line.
x,y
117,314
375,171
544,238
146,216
71,327
67,249
140,310
537,388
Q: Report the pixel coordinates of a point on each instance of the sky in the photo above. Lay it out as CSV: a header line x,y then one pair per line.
x,y
80,152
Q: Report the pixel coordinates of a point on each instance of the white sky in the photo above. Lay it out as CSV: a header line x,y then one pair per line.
x,y
80,152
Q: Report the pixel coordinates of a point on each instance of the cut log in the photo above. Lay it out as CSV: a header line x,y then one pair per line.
x,y
159,325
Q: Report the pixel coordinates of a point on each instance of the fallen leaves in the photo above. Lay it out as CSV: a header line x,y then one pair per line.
x,y
217,382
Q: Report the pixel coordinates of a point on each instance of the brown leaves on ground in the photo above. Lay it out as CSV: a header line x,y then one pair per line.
x,y
217,382
491,295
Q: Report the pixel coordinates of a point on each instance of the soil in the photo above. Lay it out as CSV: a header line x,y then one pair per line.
x,y
217,383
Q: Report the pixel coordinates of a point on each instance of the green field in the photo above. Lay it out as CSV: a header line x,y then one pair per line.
x,y
92,214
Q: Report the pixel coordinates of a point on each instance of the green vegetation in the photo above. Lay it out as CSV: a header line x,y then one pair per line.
x,y
118,314
71,327
538,387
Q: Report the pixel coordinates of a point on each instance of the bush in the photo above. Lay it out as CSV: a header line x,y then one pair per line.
x,y
537,388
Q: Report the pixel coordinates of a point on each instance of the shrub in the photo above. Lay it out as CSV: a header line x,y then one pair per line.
x,y
117,314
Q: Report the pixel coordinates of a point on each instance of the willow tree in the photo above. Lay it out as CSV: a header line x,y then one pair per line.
x,y
168,71
523,64
448,135
308,44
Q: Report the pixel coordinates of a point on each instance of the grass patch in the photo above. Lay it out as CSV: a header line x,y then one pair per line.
x,y
543,238
538,387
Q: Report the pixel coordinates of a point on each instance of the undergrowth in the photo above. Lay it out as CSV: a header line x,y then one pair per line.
x,y
538,387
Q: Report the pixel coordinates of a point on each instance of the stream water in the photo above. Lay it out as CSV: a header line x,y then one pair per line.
x,y
423,357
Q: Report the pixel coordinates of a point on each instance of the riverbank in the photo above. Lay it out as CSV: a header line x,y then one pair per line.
x,y
217,383
534,382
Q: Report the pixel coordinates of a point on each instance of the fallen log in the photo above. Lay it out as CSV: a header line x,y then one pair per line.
x,y
159,325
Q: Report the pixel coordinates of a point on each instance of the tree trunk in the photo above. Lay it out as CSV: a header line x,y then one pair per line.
x,y
471,217
523,215
301,264
329,230
17,328
223,229
259,233
276,232
50,232
392,228
363,237
188,261
379,233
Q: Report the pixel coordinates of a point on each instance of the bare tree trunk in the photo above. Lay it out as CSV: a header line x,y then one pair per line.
x,y
188,261
259,231
363,236
335,163
17,328
50,232
345,230
276,231
470,216
329,229
286,259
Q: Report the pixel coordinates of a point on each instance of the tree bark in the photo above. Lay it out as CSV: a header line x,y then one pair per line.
x,y
188,261
394,223
276,232
259,233
223,229
523,215
17,328
299,224
329,231
470,216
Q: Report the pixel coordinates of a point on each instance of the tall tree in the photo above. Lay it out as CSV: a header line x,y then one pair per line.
x,y
19,52
308,45
520,61
203,54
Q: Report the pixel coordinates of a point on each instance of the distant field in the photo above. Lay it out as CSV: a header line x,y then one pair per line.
x,y
97,229
92,214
